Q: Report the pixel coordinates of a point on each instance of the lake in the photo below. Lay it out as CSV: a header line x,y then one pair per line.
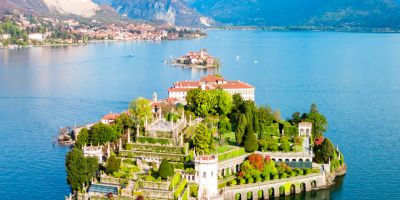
x,y
352,77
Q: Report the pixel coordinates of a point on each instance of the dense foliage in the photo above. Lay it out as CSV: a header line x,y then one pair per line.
x,y
80,170
113,164
324,152
141,109
204,102
17,36
202,140
257,168
166,169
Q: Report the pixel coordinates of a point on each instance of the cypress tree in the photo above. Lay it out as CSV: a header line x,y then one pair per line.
x,y
250,143
241,129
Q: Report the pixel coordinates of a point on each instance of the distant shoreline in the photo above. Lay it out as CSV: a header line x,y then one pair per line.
x,y
305,29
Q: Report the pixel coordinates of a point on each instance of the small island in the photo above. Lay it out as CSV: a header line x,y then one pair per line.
x,y
200,59
209,143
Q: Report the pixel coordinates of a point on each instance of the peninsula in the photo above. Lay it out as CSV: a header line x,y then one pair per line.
x,y
200,59
210,142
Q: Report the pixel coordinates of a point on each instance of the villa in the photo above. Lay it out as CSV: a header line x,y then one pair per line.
x,y
179,89
109,118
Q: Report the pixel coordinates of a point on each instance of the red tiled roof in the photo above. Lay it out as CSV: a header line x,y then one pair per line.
x,y
110,116
211,78
179,89
171,99
235,85
187,84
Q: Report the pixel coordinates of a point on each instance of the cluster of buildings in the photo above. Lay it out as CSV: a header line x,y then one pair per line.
x,y
200,58
180,89
69,30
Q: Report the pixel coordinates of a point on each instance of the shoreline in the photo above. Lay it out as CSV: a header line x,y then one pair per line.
x,y
10,47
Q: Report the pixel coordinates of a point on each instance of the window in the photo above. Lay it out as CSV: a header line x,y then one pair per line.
x,y
197,173
212,174
204,174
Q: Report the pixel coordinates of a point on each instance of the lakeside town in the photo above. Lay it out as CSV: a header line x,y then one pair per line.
x,y
20,30
206,140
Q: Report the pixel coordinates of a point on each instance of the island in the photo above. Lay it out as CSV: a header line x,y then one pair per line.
x,y
200,59
211,142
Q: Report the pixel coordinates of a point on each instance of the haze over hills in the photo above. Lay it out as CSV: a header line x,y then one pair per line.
x,y
351,14
354,13
320,13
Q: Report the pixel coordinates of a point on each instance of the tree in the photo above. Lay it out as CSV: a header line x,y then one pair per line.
x,y
166,169
257,161
83,138
125,121
272,145
285,146
102,133
318,121
113,164
80,170
224,102
241,129
141,108
202,139
265,115
237,103
224,126
296,118
327,150
204,102
250,142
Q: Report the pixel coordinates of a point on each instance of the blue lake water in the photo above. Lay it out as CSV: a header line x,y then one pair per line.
x,y
354,78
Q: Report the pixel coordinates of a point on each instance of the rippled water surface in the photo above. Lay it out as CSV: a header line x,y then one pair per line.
x,y
354,79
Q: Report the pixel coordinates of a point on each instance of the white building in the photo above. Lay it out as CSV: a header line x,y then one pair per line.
x,y
109,118
5,36
36,36
207,176
179,89
305,129
93,151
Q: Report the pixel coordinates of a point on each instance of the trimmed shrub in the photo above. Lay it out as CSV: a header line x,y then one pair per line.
x,y
193,190
166,169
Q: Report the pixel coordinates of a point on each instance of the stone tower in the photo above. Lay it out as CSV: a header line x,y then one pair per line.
x,y
207,176
155,97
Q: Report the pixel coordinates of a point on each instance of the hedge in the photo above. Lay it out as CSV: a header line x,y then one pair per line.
x,y
156,148
153,140
290,130
185,195
175,180
160,134
231,154
180,188
194,190
270,130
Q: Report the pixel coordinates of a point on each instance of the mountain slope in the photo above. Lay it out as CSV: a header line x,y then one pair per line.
x,y
85,8
357,13
170,11
25,6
